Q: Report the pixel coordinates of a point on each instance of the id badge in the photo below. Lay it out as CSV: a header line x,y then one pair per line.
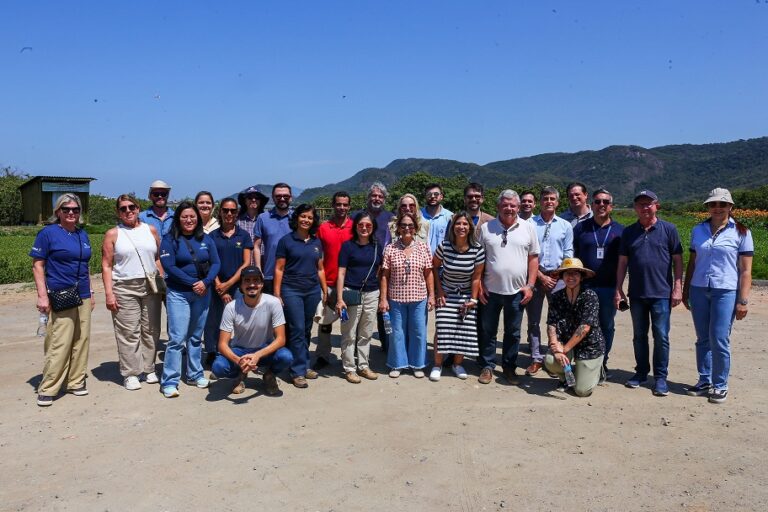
x,y
600,253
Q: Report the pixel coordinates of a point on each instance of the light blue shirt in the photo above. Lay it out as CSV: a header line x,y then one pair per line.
x,y
270,228
717,256
438,227
555,241
163,227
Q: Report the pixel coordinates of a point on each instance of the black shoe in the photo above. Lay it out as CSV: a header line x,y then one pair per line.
x,y
209,358
718,396
700,389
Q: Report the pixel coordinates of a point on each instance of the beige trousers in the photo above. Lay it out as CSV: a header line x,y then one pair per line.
x,y
587,372
137,326
66,349
357,331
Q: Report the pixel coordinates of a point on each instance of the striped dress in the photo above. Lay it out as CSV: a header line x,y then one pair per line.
x,y
454,335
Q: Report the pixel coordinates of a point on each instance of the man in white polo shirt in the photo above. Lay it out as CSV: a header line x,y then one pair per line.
x,y
511,263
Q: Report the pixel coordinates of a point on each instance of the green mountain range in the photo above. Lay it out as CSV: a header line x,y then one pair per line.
x,y
676,173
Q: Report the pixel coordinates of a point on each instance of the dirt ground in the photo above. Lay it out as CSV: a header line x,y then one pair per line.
x,y
402,444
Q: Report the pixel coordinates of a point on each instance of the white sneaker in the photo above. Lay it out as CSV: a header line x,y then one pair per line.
x,y
435,374
132,383
419,374
459,371
394,373
151,378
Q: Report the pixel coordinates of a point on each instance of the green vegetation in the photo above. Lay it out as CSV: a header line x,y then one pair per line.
x,y
10,197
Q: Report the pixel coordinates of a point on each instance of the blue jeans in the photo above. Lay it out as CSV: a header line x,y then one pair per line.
x,y
607,316
653,313
713,311
215,311
187,313
534,309
408,342
489,317
275,362
299,310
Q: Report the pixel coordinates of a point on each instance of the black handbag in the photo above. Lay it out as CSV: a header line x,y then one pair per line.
x,y
355,297
202,267
69,297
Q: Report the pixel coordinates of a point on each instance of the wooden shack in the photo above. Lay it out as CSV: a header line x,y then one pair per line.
x,y
40,193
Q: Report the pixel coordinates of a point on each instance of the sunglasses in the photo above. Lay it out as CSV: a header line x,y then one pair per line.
x,y
433,194
504,238
366,225
228,210
159,193
283,196
67,209
407,226
602,201
127,208
718,204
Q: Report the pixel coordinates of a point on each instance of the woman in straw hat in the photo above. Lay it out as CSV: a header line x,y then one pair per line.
x,y
573,327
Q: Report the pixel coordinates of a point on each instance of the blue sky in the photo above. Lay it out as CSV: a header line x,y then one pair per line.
x,y
220,95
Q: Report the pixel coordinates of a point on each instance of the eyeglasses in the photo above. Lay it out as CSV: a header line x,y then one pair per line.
x,y
228,210
127,208
718,204
67,209
434,194
504,238
407,226
602,201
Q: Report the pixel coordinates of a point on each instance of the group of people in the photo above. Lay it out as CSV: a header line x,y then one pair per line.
x,y
243,288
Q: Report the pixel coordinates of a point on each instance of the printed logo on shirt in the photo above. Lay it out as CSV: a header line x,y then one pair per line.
x,y
86,245
238,244
37,249
164,254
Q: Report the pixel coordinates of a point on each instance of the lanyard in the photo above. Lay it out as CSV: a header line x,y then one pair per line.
x,y
594,232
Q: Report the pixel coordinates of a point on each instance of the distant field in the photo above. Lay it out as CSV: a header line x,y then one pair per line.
x,y
16,266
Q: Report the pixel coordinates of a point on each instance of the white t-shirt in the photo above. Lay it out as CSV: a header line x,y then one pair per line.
x,y
252,327
506,267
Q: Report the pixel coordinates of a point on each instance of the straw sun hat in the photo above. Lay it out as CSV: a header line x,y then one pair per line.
x,y
572,264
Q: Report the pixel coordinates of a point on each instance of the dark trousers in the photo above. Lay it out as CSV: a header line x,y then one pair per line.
x,y
489,317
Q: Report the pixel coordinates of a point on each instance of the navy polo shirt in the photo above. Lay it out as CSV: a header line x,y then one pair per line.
x,y
61,251
180,268
230,251
588,236
301,259
650,258
357,259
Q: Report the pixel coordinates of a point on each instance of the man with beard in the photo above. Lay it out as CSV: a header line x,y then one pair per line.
x,y
159,214
474,197
377,197
252,336
332,233
437,216
270,227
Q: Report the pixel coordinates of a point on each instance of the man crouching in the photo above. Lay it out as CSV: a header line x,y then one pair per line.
x,y
252,335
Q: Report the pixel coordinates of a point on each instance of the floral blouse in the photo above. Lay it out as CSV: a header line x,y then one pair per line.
x,y
567,317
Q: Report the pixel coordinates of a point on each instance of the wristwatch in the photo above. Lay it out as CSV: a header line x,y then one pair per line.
x,y
743,302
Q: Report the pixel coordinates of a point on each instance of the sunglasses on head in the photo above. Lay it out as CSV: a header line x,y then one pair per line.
x,y
67,209
127,208
602,201
160,193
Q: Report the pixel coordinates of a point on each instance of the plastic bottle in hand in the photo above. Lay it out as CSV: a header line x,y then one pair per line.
x,y
42,324
570,378
387,322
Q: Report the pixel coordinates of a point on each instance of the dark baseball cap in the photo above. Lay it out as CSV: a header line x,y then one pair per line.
x,y
646,193
252,271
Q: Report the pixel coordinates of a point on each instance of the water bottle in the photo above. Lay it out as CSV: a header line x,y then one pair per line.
x,y
344,315
387,322
570,378
42,324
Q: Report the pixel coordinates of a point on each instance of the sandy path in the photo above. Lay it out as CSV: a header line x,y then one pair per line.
x,y
402,444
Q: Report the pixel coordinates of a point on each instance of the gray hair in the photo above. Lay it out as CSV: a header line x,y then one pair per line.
x,y
602,191
62,200
549,191
508,194
378,185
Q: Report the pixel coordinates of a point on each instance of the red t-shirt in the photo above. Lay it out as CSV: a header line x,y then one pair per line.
x,y
332,236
